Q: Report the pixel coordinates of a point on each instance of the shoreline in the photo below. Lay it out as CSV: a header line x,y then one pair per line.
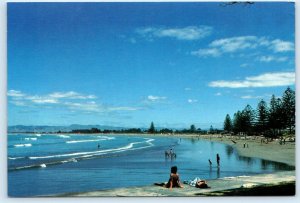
x,y
218,187
273,151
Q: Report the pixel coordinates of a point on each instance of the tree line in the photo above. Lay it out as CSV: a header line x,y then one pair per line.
x,y
150,130
271,120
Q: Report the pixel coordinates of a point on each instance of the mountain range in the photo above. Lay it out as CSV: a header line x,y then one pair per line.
x,y
46,128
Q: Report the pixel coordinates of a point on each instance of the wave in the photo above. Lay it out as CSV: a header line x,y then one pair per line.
x,y
229,178
43,165
106,137
22,145
29,138
15,158
38,135
243,176
235,177
78,156
79,141
84,153
102,138
64,136
98,152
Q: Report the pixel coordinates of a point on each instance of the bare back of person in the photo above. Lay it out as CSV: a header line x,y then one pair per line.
x,y
173,181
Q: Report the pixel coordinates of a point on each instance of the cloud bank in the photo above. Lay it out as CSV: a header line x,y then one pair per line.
x,y
264,80
183,33
237,44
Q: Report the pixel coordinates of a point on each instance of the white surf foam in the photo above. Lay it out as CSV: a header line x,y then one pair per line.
x,y
14,158
79,141
98,152
106,137
38,135
229,178
64,136
29,138
74,160
22,145
244,176
43,165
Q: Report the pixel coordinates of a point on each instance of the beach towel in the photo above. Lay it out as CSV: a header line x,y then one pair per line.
x,y
192,182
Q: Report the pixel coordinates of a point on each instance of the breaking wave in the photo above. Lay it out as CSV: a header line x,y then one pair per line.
x,y
15,158
30,138
64,136
102,138
78,156
22,145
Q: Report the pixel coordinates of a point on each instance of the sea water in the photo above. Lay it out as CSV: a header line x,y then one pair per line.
x,y
47,164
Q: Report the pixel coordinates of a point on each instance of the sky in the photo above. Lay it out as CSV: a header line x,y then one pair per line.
x,y
128,64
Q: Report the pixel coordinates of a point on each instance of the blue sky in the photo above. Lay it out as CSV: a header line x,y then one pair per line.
x,y
127,64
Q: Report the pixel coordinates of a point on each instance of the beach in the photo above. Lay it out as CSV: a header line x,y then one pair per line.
x,y
263,184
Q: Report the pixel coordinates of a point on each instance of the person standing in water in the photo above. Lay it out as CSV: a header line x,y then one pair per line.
x,y
218,160
210,163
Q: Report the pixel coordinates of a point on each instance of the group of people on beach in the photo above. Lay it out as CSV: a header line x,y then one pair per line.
x,y
174,180
170,154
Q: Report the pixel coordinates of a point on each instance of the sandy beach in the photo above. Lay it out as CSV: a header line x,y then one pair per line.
x,y
240,185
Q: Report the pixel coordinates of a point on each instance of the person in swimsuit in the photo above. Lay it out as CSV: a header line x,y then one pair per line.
x,y
174,180
218,160
209,161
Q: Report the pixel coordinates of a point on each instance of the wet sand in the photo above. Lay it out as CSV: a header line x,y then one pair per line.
x,y
272,151
245,185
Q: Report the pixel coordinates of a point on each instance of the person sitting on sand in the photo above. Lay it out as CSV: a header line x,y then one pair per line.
x,y
174,179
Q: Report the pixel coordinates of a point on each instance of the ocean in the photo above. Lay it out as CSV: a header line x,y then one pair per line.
x,y
47,164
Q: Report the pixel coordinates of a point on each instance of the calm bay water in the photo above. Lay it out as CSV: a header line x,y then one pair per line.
x,y
55,164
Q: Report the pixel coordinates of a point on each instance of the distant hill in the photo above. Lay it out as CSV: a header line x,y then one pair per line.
x,y
49,129
53,129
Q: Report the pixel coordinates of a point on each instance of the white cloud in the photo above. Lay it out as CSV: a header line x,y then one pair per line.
x,y
268,59
89,107
94,107
207,52
282,46
263,80
251,97
155,98
62,99
45,101
18,103
234,43
241,43
184,33
15,93
71,95
192,100
40,99
123,108
244,65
